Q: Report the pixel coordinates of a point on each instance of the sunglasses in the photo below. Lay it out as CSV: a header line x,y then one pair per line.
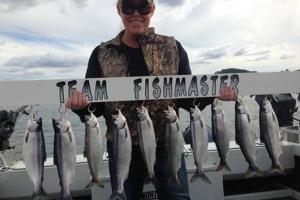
x,y
143,9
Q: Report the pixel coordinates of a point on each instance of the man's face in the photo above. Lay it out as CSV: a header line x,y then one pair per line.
x,y
136,15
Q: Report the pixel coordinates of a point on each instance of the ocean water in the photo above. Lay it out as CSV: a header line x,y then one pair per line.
x,y
47,112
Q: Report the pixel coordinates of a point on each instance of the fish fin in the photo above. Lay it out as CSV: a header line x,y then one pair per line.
x,y
202,176
274,117
223,165
126,133
117,196
201,123
92,183
249,119
149,124
27,136
253,173
70,136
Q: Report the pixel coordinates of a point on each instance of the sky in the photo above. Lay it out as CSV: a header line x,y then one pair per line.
x,y
42,39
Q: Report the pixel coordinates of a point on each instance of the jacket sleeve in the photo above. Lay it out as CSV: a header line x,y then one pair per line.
x,y
93,71
184,69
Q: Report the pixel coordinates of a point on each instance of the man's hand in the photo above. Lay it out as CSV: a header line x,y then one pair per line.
x,y
228,94
77,101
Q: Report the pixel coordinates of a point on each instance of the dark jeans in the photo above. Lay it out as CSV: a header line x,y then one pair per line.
x,y
133,186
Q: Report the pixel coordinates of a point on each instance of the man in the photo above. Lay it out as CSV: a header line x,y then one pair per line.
x,y
139,51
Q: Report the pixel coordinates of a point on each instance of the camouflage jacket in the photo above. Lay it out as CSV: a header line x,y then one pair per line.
x,y
161,57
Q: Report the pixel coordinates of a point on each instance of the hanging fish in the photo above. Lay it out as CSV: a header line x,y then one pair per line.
x,y
270,135
147,140
121,155
34,155
220,134
173,143
245,138
64,155
93,149
199,142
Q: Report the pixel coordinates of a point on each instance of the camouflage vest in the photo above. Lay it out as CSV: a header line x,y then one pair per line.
x,y
161,57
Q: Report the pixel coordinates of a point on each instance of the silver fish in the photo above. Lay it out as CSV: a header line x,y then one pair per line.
x,y
245,137
147,140
199,142
64,155
93,149
270,135
34,155
220,134
173,143
122,148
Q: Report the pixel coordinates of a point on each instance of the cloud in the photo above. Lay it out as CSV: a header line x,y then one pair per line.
x,y
214,53
259,58
288,55
47,60
252,51
172,2
9,5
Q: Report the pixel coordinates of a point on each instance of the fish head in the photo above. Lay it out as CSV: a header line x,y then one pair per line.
x,y
142,113
91,120
265,106
61,125
119,120
240,107
195,113
216,107
170,115
34,125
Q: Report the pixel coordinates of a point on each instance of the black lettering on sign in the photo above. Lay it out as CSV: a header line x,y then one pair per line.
x,y
101,91
180,88
223,83
147,89
61,91
214,84
168,87
71,89
234,81
156,88
193,87
86,89
204,87
137,88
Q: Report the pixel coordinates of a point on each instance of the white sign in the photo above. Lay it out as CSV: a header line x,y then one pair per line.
x,y
147,88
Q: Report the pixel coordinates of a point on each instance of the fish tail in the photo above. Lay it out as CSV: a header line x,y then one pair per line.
x,y
66,197
223,165
117,196
253,172
39,195
201,176
94,182
277,169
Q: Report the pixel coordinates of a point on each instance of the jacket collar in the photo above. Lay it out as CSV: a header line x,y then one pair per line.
x,y
147,36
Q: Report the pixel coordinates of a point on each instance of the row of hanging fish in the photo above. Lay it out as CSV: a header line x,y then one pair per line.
x,y
65,146
34,155
244,137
